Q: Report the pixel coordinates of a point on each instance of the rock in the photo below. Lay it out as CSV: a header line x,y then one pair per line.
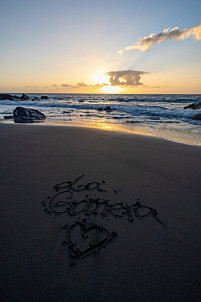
x,y
35,99
24,97
194,106
197,117
8,117
27,115
6,96
44,97
107,108
70,111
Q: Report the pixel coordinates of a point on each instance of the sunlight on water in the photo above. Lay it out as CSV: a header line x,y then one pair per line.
x,y
184,136
161,115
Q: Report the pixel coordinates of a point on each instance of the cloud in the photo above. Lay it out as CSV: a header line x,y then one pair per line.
x,y
116,78
175,33
126,77
82,84
154,87
66,85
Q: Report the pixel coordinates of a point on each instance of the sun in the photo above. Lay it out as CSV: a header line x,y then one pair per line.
x,y
104,80
111,89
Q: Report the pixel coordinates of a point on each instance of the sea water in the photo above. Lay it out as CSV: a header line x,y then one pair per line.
x,y
161,115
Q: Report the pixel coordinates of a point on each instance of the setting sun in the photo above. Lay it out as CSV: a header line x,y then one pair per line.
x,y
111,89
102,79
105,81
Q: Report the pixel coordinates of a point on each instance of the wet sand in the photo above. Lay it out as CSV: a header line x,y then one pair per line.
x,y
94,215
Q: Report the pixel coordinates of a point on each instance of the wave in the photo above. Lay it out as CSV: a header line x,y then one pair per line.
x,y
177,98
151,107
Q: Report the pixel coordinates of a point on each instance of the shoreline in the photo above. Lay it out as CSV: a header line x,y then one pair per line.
x,y
121,128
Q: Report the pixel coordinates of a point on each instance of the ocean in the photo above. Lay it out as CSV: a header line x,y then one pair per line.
x,y
161,115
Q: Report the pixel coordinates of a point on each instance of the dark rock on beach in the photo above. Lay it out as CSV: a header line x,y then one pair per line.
x,y
44,97
27,115
197,117
100,109
194,106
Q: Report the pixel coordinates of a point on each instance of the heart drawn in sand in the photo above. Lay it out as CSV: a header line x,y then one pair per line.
x,y
77,233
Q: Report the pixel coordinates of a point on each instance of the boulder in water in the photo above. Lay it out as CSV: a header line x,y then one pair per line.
x,y
197,117
194,106
24,97
8,117
6,96
27,115
44,97
107,108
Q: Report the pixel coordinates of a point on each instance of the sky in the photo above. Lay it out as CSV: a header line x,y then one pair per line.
x,y
93,46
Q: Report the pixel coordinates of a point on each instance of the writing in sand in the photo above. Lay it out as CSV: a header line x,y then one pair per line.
x,y
67,201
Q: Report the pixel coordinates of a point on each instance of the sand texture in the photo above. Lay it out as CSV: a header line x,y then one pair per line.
x,y
93,215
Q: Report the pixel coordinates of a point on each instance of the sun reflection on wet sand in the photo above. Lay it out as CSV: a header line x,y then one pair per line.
x,y
132,129
103,126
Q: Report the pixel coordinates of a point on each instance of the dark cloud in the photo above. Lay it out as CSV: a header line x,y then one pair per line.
x,y
175,33
125,77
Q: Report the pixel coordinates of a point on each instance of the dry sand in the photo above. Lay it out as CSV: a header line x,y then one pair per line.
x,y
146,261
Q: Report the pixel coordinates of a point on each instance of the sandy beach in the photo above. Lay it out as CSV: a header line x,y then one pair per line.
x,y
94,215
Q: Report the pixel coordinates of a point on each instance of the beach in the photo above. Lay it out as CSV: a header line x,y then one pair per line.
x,y
95,215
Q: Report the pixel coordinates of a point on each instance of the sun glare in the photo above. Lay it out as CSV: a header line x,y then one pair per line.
x,y
111,89
102,79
